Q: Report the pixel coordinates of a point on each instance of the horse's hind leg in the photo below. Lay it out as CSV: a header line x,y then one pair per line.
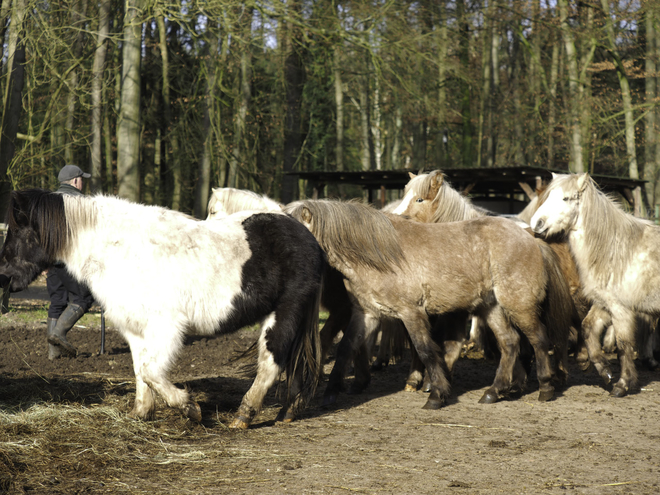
x,y
267,373
508,342
151,364
358,330
419,330
624,327
648,331
593,326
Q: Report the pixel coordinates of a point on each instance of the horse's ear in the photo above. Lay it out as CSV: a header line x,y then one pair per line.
x,y
306,215
582,181
554,175
436,180
412,176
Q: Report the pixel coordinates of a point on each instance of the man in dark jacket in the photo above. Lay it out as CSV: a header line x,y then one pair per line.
x,y
62,314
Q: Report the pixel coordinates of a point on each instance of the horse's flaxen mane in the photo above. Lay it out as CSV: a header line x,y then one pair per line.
x,y
352,231
610,232
44,212
235,200
450,205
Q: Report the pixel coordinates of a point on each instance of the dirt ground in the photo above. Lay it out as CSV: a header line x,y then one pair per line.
x,y
64,429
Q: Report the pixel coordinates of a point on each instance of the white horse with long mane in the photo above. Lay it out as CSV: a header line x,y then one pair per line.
x,y
160,275
617,255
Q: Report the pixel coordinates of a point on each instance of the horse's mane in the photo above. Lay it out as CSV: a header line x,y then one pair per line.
x,y
610,231
235,200
353,231
450,205
44,212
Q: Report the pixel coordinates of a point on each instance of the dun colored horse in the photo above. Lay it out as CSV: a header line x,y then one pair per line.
x,y
408,270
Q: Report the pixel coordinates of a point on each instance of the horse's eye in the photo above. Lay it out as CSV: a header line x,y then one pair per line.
x,y
566,198
420,200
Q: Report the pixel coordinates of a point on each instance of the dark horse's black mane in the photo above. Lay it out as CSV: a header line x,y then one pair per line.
x,y
43,211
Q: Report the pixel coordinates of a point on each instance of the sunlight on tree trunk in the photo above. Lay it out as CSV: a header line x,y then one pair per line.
x,y
128,131
97,93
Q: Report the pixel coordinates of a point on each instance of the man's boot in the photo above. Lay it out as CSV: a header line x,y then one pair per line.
x,y
54,351
65,322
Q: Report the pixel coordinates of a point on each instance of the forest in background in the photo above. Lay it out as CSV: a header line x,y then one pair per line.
x,y
162,100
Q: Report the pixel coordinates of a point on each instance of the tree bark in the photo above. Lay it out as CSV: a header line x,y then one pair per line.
x,y
651,173
12,99
294,73
204,175
631,152
244,98
173,158
97,93
576,160
128,131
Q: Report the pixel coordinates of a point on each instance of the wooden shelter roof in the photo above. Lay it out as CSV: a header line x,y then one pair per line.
x,y
478,182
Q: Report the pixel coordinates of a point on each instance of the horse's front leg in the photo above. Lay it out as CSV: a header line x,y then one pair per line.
x,y
419,330
152,355
508,342
593,325
624,330
358,330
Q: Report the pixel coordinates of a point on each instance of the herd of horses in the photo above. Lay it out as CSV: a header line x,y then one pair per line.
x,y
433,268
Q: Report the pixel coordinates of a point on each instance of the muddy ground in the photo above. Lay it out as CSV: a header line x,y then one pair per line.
x,y
64,429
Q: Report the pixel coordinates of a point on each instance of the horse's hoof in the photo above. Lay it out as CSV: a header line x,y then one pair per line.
x,y
285,416
607,375
377,366
488,398
240,423
193,411
426,387
651,364
618,392
546,395
329,399
356,389
433,404
409,388
585,365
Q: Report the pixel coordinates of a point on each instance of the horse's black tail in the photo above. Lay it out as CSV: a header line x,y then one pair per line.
x,y
558,312
303,369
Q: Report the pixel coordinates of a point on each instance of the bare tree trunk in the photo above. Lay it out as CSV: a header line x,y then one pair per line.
x,y
169,134
442,84
627,106
77,20
365,146
97,93
339,105
204,176
577,163
294,73
396,145
12,99
552,103
651,173
464,56
244,97
491,141
128,130
485,86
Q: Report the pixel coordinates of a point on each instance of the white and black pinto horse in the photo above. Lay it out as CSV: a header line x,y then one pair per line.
x,y
161,275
